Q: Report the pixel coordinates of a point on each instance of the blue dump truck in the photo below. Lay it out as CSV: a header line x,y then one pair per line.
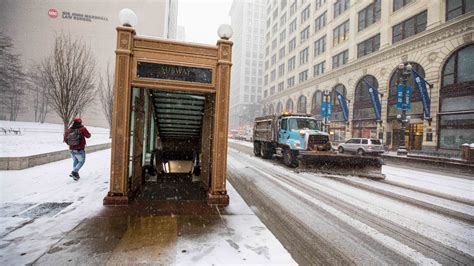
x,y
299,141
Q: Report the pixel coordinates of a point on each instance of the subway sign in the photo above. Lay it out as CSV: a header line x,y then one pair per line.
x,y
173,72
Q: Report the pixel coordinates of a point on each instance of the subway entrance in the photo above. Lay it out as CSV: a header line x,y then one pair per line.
x,y
170,120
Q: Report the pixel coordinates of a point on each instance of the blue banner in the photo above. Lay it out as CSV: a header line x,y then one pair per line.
x,y
323,109
399,96
374,97
343,103
329,109
425,98
407,98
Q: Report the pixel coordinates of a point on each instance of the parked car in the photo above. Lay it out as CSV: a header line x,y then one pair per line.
x,y
362,146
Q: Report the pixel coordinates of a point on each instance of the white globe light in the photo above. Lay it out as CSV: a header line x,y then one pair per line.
x,y
225,31
128,18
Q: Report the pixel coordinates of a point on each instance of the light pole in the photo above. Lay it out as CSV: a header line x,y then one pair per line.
x,y
326,103
405,72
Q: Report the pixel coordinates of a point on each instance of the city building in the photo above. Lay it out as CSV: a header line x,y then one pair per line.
x,y
355,48
33,25
248,24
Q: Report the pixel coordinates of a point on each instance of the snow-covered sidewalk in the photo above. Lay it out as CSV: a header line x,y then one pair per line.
x,y
48,218
39,138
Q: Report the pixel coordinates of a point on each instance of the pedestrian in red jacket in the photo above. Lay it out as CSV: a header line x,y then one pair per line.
x,y
75,137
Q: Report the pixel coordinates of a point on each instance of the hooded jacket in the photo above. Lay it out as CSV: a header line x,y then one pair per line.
x,y
84,133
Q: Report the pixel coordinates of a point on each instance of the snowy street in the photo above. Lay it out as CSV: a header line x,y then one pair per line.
x,y
414,216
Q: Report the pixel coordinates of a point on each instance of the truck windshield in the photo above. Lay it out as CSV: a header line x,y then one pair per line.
x,y
303,123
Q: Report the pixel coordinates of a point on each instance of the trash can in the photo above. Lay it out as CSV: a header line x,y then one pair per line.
x,y
467,152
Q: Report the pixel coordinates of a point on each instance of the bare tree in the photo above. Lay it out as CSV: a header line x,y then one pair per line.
x,y
106,93
40,98
11,84
67,76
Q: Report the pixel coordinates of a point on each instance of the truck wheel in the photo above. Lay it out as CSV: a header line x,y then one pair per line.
x,y
340,150
360,152
265,151
289,158
256,148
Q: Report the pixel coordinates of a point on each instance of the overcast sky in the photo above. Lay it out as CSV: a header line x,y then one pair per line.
x,y
201,18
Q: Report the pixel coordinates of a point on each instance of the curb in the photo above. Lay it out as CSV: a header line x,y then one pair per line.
x,y
446,165
20,163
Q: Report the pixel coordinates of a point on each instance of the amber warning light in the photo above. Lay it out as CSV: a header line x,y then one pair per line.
x,y
53,13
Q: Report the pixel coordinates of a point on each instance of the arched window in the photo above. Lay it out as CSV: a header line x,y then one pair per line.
x,y
336,109
457,100
316,101
416,110
271,110
289,105
362,104
279,108
302,104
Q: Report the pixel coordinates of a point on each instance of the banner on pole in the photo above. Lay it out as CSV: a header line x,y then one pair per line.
x,y
407,98
329,109
374,97
422,88
399,96
323,109
343,103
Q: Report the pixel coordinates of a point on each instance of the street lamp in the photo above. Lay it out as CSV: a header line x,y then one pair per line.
x,y
405,72
326,103
128,18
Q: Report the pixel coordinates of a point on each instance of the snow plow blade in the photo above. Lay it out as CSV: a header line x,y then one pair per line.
x,y
338,164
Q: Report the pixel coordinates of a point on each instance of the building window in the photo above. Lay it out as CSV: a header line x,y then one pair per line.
x,y
267,64
409,27
340,59
293,26
283,4
304,56
303,76
368,46
457,100
279,108
272,90
319,3
341,33
265,93
290,82
289,105
292,45
267,50
274,44
320,22
274,59
316,102
273,75
281,86
455,8
283,20
291,63
281,53
293,8
369,15
301,106
282,36
269,21
340,6
304,35
305,14
275,14
319,69
397,4
275,28
265,80
281,70
320,46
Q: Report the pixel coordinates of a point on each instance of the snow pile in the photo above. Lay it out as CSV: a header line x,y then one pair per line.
x,y
36,138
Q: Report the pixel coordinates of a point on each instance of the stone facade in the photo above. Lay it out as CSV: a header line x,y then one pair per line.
x,y
430,48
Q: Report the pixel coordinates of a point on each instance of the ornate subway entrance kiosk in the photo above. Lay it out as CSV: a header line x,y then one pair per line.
x,y
170,118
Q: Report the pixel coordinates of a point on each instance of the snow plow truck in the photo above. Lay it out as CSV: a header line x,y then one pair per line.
x,y
299,141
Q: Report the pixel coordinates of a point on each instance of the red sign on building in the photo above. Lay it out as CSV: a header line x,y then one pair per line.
x,y
53,13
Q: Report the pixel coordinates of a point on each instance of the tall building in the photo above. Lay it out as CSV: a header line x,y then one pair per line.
x,y
248,24
33,25
355,47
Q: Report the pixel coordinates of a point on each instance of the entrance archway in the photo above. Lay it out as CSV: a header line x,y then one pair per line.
x,y
170,115
337,127
364,124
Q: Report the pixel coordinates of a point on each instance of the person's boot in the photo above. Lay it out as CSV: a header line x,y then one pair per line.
x,y
74,175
